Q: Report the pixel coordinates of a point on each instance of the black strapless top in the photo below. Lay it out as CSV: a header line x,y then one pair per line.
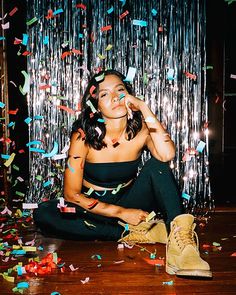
x,y
111,174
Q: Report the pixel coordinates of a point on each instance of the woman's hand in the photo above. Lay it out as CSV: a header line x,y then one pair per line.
x,y
133,216
132,103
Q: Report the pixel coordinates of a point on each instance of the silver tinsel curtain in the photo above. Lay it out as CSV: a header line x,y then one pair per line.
x,y
163,41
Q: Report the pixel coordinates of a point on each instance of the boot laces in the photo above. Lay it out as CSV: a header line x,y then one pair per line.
x,y
186,237
134,237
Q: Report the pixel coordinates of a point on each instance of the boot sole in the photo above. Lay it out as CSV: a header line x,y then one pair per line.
x,y
171,270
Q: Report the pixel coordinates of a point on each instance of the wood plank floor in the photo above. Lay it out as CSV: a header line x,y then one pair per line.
x,y
105,269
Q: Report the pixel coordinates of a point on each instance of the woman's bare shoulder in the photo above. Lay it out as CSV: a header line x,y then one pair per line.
x,y
78,147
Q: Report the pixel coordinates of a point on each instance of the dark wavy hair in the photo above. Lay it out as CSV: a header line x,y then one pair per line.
x,y
88,120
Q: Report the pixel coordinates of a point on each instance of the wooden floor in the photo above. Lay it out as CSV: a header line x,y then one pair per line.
x,y
102,268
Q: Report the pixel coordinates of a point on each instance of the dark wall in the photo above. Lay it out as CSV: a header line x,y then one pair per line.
x,y
17,63
221,32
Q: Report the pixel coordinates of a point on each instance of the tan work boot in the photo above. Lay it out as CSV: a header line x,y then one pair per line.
x,y
150,232
182,249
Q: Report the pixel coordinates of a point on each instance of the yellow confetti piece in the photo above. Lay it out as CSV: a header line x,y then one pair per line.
x,y
150,216
29,248
109,47
8,278
16,247
9,161
101,56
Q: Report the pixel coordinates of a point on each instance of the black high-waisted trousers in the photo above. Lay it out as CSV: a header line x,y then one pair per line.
x,y
154,189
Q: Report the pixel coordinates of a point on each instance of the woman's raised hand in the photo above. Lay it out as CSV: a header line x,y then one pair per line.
x,y
133,216
133,102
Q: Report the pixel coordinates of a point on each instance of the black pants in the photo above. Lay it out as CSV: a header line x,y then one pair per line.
x,y
155,188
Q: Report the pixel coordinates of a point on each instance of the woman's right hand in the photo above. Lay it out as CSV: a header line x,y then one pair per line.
x,y
133,216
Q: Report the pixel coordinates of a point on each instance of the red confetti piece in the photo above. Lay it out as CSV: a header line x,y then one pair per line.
x,y
154,261
160,29
68,110
17,41
217,99
91,90
45,266
8,140
13,112
65,54
43,87
50,14
68,209
25,53
13,11
92,37
124,14
81,5
190,76
21,151
106,28
76,51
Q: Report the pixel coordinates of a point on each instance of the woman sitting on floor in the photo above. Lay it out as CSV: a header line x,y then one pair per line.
x,y
108,192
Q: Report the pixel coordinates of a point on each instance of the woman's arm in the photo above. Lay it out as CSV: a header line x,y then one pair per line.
x,y
158,140
73,180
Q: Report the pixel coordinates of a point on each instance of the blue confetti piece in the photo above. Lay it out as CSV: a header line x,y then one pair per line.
x,y
11,124
38,117
170,74
152,256
19,270
2,38
45,40
130,75
122,95
141,23
53,152
36,150
154,12
5,157
170,283
200,147
101,120
22,285
47,183
101,195
25,39
60,10
33,142
2,105
18,252
28,120
186,196
110,10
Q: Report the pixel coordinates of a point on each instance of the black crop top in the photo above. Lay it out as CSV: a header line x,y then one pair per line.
x,y
111,174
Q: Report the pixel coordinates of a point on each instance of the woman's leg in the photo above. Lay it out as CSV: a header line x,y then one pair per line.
x,y
81,225
155,189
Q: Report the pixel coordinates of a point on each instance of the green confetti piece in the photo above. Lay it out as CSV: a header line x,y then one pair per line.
x,y
39,177
30,22
19,194
16,167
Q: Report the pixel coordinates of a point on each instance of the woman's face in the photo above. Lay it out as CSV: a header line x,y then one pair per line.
x,y
111,97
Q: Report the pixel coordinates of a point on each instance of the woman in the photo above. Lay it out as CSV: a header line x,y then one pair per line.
x,y
104,188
